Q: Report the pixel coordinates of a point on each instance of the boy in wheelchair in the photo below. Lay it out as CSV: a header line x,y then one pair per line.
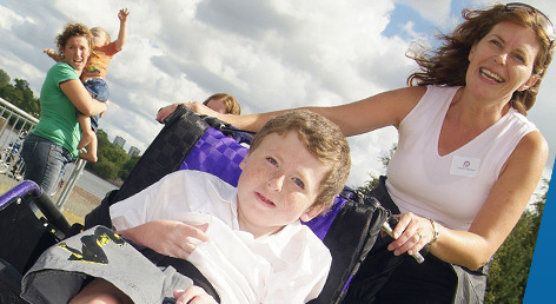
x,y
247,241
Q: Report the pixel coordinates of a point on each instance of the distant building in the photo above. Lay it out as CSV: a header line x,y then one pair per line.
x,y
119,141
133,151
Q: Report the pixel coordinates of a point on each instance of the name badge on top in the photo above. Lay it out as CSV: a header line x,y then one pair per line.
x,y
465,166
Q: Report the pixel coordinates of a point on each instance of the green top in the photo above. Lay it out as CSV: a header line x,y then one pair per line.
x,y
58,121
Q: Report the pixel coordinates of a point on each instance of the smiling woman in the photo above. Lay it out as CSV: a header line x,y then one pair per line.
x,y
467,161
53,142
505,56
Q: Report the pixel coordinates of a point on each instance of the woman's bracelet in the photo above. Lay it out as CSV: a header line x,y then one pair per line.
x,y
435,230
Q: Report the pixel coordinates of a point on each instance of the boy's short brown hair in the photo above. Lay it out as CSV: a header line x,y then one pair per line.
x,y
323,139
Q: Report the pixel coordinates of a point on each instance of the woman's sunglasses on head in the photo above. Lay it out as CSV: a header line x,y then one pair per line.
x,y
542,19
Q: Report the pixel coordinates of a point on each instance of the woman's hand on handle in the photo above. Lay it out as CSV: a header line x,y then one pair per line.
x,y
411,234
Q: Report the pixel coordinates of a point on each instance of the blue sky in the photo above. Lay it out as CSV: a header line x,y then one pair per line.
x,y
270,55
399,17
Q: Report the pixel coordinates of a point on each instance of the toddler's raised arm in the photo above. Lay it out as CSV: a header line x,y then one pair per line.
x,y
122,15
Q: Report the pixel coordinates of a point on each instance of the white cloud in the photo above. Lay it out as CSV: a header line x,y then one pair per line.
x,y
270,55
8,18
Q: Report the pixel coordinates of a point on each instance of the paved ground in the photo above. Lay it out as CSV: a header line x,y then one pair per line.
x,y
79,203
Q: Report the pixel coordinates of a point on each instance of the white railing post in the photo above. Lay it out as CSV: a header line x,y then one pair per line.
x,y
75,174
7,135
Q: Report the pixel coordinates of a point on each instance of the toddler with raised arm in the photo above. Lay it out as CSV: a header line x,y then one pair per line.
x,y
94,80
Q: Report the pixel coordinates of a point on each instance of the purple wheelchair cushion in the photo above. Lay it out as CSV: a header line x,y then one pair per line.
x,y
216,154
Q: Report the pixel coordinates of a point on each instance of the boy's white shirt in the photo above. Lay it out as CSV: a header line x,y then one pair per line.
x,y
290,266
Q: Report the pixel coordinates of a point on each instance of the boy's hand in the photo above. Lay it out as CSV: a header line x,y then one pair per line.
x,y
52,54
49,52
193,295
171,238
122,15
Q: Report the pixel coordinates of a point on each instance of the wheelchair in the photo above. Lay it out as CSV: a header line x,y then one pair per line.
x,y
188,141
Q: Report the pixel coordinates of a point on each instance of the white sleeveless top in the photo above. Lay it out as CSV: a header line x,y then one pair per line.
x,y
452,188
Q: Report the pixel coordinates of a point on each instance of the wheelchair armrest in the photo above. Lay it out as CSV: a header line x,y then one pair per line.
x,y
41,199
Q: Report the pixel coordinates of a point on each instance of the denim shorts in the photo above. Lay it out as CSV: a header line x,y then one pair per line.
x,y
45,161
99,90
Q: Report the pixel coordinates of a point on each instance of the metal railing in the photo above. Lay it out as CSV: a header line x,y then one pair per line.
x,y
14,121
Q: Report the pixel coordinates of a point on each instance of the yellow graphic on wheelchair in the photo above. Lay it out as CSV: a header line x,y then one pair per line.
x,y
92,246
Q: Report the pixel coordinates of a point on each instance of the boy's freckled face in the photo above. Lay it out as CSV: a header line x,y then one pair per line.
x,y
279,182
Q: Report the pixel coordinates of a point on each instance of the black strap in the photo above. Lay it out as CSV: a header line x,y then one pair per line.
x,y
381,194
164,155
350,238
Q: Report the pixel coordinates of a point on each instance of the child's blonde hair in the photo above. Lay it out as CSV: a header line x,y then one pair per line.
x,y
232,105
100,29
323,139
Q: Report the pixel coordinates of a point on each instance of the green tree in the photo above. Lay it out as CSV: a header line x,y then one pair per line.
x,y
102,138
19,94
4,78
106,169
23,86
27,99
510,265
128,165
115,154
11,94
114,163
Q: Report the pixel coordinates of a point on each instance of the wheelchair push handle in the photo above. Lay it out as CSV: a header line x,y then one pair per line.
x,y
20,190
388,229
41,199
